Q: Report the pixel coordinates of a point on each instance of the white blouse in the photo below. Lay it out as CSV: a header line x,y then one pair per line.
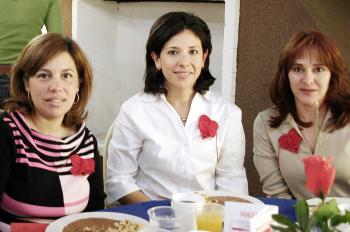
x,y
152,151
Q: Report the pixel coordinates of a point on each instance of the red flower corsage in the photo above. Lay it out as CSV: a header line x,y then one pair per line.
x,y
82,166
207,126
290,141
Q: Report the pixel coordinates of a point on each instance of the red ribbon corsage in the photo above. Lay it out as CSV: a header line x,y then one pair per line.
x,y
207,126
290,141
82,166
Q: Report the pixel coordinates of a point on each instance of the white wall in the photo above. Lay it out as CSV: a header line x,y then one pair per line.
x,y
113,35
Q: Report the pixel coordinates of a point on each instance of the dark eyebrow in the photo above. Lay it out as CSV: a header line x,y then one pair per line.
x,y
44,70
68,69
48,71
191,47
173,48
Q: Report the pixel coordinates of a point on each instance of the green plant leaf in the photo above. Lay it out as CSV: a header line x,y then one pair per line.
x,y
327,210
347,216
283,220
338,219
283,229
323,225
312,222
302,214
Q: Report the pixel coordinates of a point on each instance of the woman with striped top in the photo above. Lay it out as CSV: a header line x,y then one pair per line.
x,y
49,161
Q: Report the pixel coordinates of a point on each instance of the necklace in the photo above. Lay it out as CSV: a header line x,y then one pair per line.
x,y
183,120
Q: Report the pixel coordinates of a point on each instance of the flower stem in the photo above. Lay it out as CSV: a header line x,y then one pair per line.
x,y
318,127
323,198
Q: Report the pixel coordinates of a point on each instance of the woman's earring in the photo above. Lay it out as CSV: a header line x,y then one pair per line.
x,y
158,67
76,99
29,98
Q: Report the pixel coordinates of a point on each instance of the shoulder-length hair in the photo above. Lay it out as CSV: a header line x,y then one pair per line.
x,y
163,30
34,55
337,98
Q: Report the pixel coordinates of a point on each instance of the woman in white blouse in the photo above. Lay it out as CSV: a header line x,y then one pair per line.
x,y
160,145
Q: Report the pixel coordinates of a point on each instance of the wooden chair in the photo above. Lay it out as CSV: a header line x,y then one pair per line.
x,y
105,154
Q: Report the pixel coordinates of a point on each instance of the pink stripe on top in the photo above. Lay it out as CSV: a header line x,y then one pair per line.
x,y
64,144
23,209
53,138
30,139
76,203
48,145
35,156
37,165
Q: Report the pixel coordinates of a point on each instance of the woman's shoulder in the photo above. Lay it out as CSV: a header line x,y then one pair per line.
x,y
7,117
266,114
221,102
3,114
139,99
7,125
3,118
83,129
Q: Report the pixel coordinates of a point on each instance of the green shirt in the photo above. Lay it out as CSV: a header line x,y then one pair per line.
x,y
22,20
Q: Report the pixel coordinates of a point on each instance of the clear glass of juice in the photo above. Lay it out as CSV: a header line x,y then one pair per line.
x,y
211,217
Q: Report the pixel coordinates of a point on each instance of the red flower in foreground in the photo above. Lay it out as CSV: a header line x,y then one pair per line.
x,y
319,174
207,126
82,166
290,141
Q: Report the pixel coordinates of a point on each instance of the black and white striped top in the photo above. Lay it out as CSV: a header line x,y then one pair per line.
x,y
35,172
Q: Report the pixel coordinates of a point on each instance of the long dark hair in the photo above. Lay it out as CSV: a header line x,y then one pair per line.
x,y
338,94
163,30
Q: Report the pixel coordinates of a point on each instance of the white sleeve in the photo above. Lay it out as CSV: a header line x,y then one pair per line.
x,y
230,172
123,151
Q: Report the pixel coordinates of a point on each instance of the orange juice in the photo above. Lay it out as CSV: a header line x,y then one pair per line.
x,y
210,221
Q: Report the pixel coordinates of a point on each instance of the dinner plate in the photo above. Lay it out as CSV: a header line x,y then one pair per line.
x,y
316,201
229,194
59,224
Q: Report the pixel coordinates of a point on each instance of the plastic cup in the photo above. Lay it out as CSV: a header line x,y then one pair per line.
x,y
211,217
188,200
189,204
166,217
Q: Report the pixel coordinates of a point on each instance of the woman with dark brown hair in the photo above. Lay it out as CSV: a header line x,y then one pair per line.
x,y
311,115
49,162
176,135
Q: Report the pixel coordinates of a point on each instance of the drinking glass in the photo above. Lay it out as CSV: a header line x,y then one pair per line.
x,y
190,204
211,217
166,217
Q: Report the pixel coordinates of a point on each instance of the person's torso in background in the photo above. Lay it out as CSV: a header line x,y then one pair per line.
x,y
20,21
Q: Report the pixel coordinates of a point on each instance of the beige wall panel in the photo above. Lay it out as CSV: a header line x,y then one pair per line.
x,y
66,7
333,17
